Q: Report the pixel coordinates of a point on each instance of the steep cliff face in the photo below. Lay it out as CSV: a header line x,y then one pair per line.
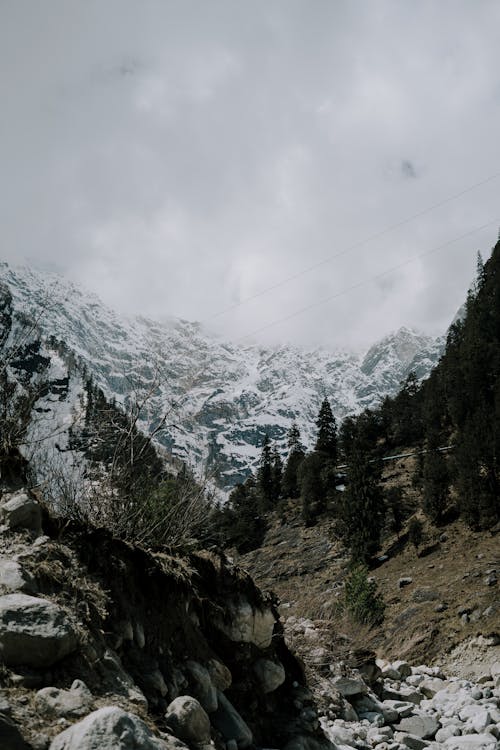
x,y
216,399
138,630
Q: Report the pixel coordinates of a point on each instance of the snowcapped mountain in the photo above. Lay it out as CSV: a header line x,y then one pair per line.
x,y
210,400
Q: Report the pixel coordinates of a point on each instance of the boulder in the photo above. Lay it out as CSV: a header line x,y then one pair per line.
x,y
188,720
247,624
219,674
349,685
119,681
109,728
33,631
21,512
230,724
404,581
202,687
13,577
403,668
423,726
411,741
75,702
484,741
270,674
452,730
431,686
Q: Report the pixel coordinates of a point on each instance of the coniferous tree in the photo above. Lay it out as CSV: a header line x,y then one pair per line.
x,y
326,442
435,479
362,508
290,485
277,474
312,487
265,475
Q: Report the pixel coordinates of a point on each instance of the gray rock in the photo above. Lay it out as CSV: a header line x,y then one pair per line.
x,y
109,728
452,730
431,686
219,674
270,674
405,581
201,685
13,577
404,695
248,624
230,724
189,720
411,741
120,682
422,726
10,736
21,511
34,631
471,742
403,668
349,685
480,721
75,702
402,709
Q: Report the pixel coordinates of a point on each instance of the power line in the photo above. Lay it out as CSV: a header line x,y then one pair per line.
x,y
366,281
354,246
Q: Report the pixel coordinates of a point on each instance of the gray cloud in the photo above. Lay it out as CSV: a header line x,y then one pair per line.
x,y
180,157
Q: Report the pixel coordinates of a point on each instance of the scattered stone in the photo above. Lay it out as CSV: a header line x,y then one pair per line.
x,y
203,688
13,577
405,581
471,742
109,727
34,631
411,741
230,724
219,674
21,511
270,674
120,681
349,685
75,702
423,726
491,580
403,668
188,720
248,624
446,732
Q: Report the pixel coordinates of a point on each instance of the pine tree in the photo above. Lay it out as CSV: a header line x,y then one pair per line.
x,y
362,508
265,475
277,474
326,442
312,488
290,485
435,479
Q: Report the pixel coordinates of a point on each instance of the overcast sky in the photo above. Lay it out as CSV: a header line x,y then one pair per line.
x,y
179,158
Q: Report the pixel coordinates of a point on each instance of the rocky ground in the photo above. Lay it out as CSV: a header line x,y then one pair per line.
x,y
105,646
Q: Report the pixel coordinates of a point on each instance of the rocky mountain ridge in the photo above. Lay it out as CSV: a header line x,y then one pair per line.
x,y
216,399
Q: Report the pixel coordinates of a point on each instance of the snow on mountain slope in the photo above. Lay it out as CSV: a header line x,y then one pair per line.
x,y
217,398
